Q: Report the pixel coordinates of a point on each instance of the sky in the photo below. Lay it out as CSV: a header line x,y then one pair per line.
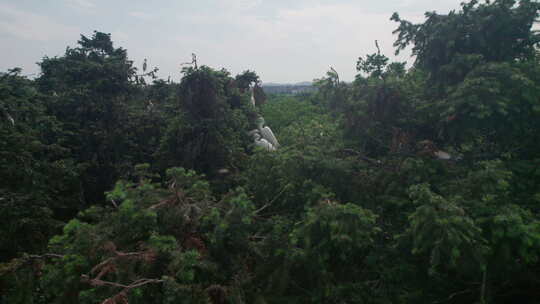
x,y
284,41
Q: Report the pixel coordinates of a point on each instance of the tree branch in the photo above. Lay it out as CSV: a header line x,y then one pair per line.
x,y
362,157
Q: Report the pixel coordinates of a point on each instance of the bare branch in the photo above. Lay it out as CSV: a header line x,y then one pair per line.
x,y
453,295
120,297
45,256
135,284
271,202
362,157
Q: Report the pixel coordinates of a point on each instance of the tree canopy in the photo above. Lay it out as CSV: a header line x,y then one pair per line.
x,y
406,185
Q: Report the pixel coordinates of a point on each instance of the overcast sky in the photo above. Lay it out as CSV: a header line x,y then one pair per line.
x,y
282,40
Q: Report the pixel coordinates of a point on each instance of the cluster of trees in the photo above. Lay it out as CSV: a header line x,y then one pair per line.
x,y
417,185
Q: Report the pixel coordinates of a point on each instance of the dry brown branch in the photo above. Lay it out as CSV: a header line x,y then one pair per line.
x,y
135,284
110,265
179,197
362,157
45,256
160,204
453,295
121,297
270,202
17,263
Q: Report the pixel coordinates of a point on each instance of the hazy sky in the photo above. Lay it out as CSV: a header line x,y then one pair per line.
x,y
282,40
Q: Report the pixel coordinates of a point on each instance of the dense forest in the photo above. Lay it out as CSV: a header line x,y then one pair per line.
x,y
413,183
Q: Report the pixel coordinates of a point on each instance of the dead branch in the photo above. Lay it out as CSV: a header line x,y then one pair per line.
x,y
121,297
44,256
135,284
17,263
271,202
109,264
193,61
362,157
160,204
453,295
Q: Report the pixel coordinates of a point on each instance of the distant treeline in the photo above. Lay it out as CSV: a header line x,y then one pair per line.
x,y
289,89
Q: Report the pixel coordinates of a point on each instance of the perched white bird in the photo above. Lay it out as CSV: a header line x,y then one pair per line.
x,y
266,132
442,155
263,143
150,105
252,97
223,171
11,120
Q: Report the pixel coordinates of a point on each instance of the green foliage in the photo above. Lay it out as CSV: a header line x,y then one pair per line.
x,y
209,130
442,230
325,243
404,186
246,79
282,111
490,31
374,64
87,90
38,178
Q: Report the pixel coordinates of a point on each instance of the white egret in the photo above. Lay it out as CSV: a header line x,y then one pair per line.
x,y
263,143
150,105
10,119
442,155
252,100
266,132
